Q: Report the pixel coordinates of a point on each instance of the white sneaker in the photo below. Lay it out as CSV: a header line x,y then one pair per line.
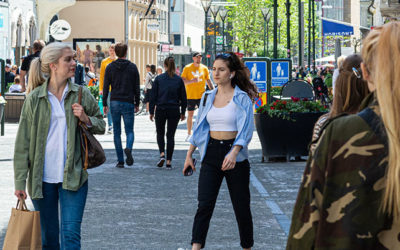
x,y
109,131
187,138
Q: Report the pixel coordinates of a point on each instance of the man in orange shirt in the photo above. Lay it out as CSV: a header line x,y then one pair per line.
x,y
112,57
195,76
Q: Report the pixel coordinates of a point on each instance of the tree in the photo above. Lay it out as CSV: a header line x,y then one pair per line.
x,y
247,22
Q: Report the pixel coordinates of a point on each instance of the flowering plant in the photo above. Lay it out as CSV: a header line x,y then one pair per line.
x,y
283,108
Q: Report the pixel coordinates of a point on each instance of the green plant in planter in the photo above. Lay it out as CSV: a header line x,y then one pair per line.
x,y
283,109
276,91
94,90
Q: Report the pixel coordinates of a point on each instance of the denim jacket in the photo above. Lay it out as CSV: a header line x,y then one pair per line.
x,y
244,122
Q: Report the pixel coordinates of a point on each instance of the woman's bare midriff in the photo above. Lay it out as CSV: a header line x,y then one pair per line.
x,y
223,135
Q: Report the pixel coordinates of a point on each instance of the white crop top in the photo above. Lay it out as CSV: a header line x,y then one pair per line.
x,y
223,119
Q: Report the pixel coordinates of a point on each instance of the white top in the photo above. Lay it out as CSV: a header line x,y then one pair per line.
x,y
56,146
223,119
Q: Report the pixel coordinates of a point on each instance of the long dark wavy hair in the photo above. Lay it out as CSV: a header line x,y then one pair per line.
x,y
241,78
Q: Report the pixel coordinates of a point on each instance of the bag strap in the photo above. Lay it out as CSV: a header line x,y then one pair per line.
x,y
21,205
80,95
205,99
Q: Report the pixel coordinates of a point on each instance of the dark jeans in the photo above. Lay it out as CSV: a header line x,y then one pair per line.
x,y
72,205
109,116
210,180
171,117
127,111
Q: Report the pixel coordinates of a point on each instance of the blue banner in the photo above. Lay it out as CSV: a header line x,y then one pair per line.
x,y
331,28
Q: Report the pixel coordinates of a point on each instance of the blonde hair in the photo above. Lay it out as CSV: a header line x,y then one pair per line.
x,y
381,54
340,60
39,70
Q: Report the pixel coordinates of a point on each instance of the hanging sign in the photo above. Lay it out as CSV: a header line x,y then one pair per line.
x,y
153,27
60,30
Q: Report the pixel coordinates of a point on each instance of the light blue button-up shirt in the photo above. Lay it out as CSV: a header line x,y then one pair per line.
x,y
244,122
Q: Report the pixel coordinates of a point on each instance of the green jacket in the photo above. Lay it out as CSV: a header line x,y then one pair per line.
x,y
338,204
30,144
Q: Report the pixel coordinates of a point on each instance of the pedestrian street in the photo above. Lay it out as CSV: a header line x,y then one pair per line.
x,y
146,207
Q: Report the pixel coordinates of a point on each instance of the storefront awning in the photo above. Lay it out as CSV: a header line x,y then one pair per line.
x,y
336,28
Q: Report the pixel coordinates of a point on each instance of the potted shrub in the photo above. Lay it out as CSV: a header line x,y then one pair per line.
x,y
285,126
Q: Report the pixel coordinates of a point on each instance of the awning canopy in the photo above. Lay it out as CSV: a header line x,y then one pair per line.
x,y
336,28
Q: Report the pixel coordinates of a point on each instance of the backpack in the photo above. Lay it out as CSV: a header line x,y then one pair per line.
x,y
153,77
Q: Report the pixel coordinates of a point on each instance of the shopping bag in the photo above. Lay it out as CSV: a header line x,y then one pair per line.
x,y
23,230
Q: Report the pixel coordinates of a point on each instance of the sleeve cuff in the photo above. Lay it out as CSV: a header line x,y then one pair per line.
x,y
191,140
20,185
240,142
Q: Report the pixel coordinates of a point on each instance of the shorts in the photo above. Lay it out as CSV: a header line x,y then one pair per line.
x,y
147,96
192,104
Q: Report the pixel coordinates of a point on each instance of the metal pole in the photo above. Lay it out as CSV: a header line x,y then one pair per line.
x,y
215,37
300,60
309,34
205,37
2,90
223,35
288,27
313,24
264,36
275,28
126,21
267,37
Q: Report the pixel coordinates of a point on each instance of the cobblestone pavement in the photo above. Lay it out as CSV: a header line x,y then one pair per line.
x,y
144,207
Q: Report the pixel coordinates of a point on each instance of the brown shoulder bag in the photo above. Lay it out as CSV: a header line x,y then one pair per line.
x,y
92,151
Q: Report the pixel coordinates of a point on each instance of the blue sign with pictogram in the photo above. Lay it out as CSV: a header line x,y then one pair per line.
x,y
279,73
258,74
258,103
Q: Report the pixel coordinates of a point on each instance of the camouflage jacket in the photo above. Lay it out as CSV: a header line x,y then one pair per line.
x,y
338,204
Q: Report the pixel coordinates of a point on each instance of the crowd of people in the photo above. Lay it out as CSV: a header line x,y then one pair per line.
x,y
349,195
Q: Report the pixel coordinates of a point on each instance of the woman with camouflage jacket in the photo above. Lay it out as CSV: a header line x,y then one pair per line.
x,y
350,194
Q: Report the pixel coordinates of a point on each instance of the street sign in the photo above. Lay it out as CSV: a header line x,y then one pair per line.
x,y
258,74
60,30
279,73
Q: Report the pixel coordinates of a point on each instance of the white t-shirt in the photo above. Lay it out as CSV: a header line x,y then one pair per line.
x,y
56,146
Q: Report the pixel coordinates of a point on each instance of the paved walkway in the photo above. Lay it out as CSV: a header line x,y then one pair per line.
x,y
144,207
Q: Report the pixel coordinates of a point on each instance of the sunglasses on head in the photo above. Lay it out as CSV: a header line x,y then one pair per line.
x,y
224,55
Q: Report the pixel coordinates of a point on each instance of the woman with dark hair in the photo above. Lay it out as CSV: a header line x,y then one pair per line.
x,y
148,84
223,130
168,100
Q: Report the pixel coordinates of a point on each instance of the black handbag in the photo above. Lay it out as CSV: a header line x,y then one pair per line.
x,y
92,152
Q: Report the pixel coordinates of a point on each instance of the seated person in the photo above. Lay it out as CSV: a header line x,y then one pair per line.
x,y
16,87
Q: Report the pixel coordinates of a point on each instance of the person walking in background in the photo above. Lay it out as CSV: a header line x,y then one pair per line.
x,y
24,72
148,84
195,76
104,64
223,131
88,56
47,150
8,75
159,70
99,58
168,99
350,197
79,77
123,77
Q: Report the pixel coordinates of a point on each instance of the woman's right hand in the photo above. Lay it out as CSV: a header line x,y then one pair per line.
x,y
20,193
188,164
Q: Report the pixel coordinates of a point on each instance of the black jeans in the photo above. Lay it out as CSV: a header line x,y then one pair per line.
x,y
171,117
210,180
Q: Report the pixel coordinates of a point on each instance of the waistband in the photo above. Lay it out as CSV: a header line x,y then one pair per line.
x,y
221,142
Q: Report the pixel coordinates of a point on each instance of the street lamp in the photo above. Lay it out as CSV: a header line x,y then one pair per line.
x,y
279,28
275,28
288,4
206,6
214,11
266,16
223,13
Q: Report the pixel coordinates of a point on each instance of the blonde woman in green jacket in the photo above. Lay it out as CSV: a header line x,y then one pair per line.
x,y
47,148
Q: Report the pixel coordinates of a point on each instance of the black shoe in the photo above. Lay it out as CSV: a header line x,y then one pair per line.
x,y
168,166
129,158
120,165
160,162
